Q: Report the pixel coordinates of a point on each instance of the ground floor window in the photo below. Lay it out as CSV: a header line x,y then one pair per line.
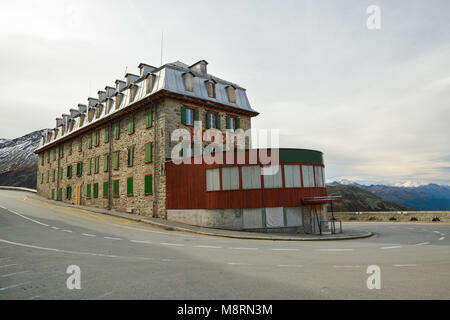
x,y
105,189
148,184
69,193
88,191
212,180
116,188
130,186
95,187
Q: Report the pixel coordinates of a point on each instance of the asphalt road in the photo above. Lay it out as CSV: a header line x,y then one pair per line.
x,y
121,259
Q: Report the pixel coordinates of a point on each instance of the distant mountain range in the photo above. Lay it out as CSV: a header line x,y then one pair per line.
x,y
18,163
430,197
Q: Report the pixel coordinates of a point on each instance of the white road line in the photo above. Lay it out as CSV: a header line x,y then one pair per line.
x,y
346,267
55,228
335,250
34,297
13,274
112,238
238,264
388,248
404,265
32,220
13,286
7,266
422,244
140,241
5,258
442,239
208,247
438,232
285,249
88,235
172,244
289,266
244,249
68,231
410,228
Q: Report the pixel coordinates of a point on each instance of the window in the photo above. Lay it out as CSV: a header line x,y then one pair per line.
x,y
53,194
106,134
292,176
48,177
79,169
42,178
89,167
42,159
132,93
273,181
131,125
88,191
308,176
251,177
230,178
148,118
211,120
69,193
106,163
105,189
89,140
96,165
117,130
231,94
189,81
61,151
319,177
48,157
212,180
231,122
69,172
60,173
96,138
148,184
130,156
80,145
188,115
211,87
70,148
148,152
60,194
95,187
130,186
116,188
53,175
116,160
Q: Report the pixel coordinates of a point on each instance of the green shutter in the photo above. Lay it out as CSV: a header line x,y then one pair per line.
x,y
88,191
148,152
106,134
95,190
129,186
116,160
183,115
80,145
89,164
148,184
60,194
105,189
70,148
219,125
115,187
148,117
81,168
197,115
227,120
238,123
53,194
116,130
130,125
53,176
106,163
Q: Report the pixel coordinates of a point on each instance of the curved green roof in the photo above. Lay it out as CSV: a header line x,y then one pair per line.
x,y
301,155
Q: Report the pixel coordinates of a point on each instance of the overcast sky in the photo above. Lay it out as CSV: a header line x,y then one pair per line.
x,y
376,102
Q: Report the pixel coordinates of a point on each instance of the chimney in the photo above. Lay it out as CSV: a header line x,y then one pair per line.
x,y
145,69
82,108
101,96
120,85
200,67
131,78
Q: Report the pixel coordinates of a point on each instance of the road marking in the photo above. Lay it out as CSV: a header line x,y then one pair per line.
x,y
172,244
32,220
7,266
13,274
442,239
438,232
207,247
335,250
112,238
68,231
139,241
244,248
285,249
13,286
346,267
289,266
394,247
422,244
89,235
404,265
238,264
104,295
33,298
410,228
55,228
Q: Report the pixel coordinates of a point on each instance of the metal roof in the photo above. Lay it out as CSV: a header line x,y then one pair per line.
x,y
168,77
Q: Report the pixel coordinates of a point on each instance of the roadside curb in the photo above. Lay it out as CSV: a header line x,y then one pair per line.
x,y
18,189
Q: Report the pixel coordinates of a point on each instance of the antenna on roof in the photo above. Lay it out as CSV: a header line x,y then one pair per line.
x,y
162,45
126,69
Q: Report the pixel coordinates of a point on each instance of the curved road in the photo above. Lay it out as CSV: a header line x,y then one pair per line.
x,y
120,259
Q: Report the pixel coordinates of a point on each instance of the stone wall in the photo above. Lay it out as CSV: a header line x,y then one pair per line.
x,y
421,216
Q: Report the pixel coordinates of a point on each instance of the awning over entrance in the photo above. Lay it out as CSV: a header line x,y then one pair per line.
x,y
320,200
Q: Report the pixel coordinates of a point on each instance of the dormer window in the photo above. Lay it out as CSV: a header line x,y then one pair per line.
x,y
231,91
90,114
149,83
189,81
211,88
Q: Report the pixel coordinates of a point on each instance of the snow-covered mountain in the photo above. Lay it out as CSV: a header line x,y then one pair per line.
x,y
18,161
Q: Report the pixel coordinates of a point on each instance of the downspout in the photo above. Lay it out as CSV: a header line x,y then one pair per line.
x,y
110,186
155,194
57,175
